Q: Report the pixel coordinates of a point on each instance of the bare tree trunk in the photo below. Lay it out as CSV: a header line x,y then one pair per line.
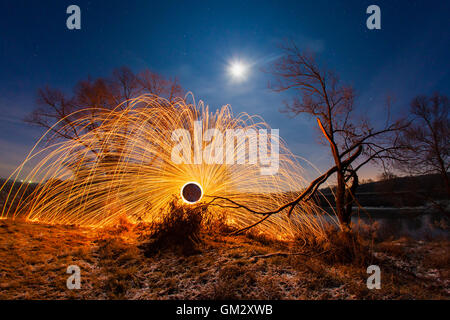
x,y
349,198
340,199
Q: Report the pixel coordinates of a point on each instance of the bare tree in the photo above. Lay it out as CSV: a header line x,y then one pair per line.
x,y
157,84
103,93
426,142
353,142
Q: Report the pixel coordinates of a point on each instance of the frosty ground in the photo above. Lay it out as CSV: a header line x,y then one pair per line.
x,y
34,259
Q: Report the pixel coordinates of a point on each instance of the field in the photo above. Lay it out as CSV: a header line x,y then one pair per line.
x,y
115,264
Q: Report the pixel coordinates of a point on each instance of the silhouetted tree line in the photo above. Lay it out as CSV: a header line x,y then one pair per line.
x,y
109,92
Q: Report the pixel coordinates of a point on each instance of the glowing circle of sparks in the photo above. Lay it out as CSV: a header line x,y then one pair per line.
x,y
132,170
191,192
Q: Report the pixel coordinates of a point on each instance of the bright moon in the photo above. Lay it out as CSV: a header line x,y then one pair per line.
x,y
238,70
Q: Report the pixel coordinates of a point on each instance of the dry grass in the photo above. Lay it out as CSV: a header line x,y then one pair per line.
x,y
179,229
34,259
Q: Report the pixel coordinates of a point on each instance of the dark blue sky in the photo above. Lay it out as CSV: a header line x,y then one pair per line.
x,y
195,40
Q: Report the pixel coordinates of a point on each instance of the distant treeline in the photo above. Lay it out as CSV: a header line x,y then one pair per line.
x,y
396,192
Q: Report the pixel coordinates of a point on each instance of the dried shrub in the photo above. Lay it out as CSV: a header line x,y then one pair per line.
x,y
258,236
179,229
216,222
339,246
347,247
122,226
116,250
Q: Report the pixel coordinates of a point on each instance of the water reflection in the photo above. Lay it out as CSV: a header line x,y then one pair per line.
x,y
417,225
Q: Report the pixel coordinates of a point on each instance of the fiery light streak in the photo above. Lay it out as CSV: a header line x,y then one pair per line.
x,y
123,167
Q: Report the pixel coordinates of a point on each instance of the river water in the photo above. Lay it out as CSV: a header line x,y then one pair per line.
x,y
410,222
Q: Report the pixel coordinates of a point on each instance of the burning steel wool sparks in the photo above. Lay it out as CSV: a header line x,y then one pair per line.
x,y
123,164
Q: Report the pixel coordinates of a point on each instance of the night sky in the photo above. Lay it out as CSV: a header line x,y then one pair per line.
x,y
196,40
